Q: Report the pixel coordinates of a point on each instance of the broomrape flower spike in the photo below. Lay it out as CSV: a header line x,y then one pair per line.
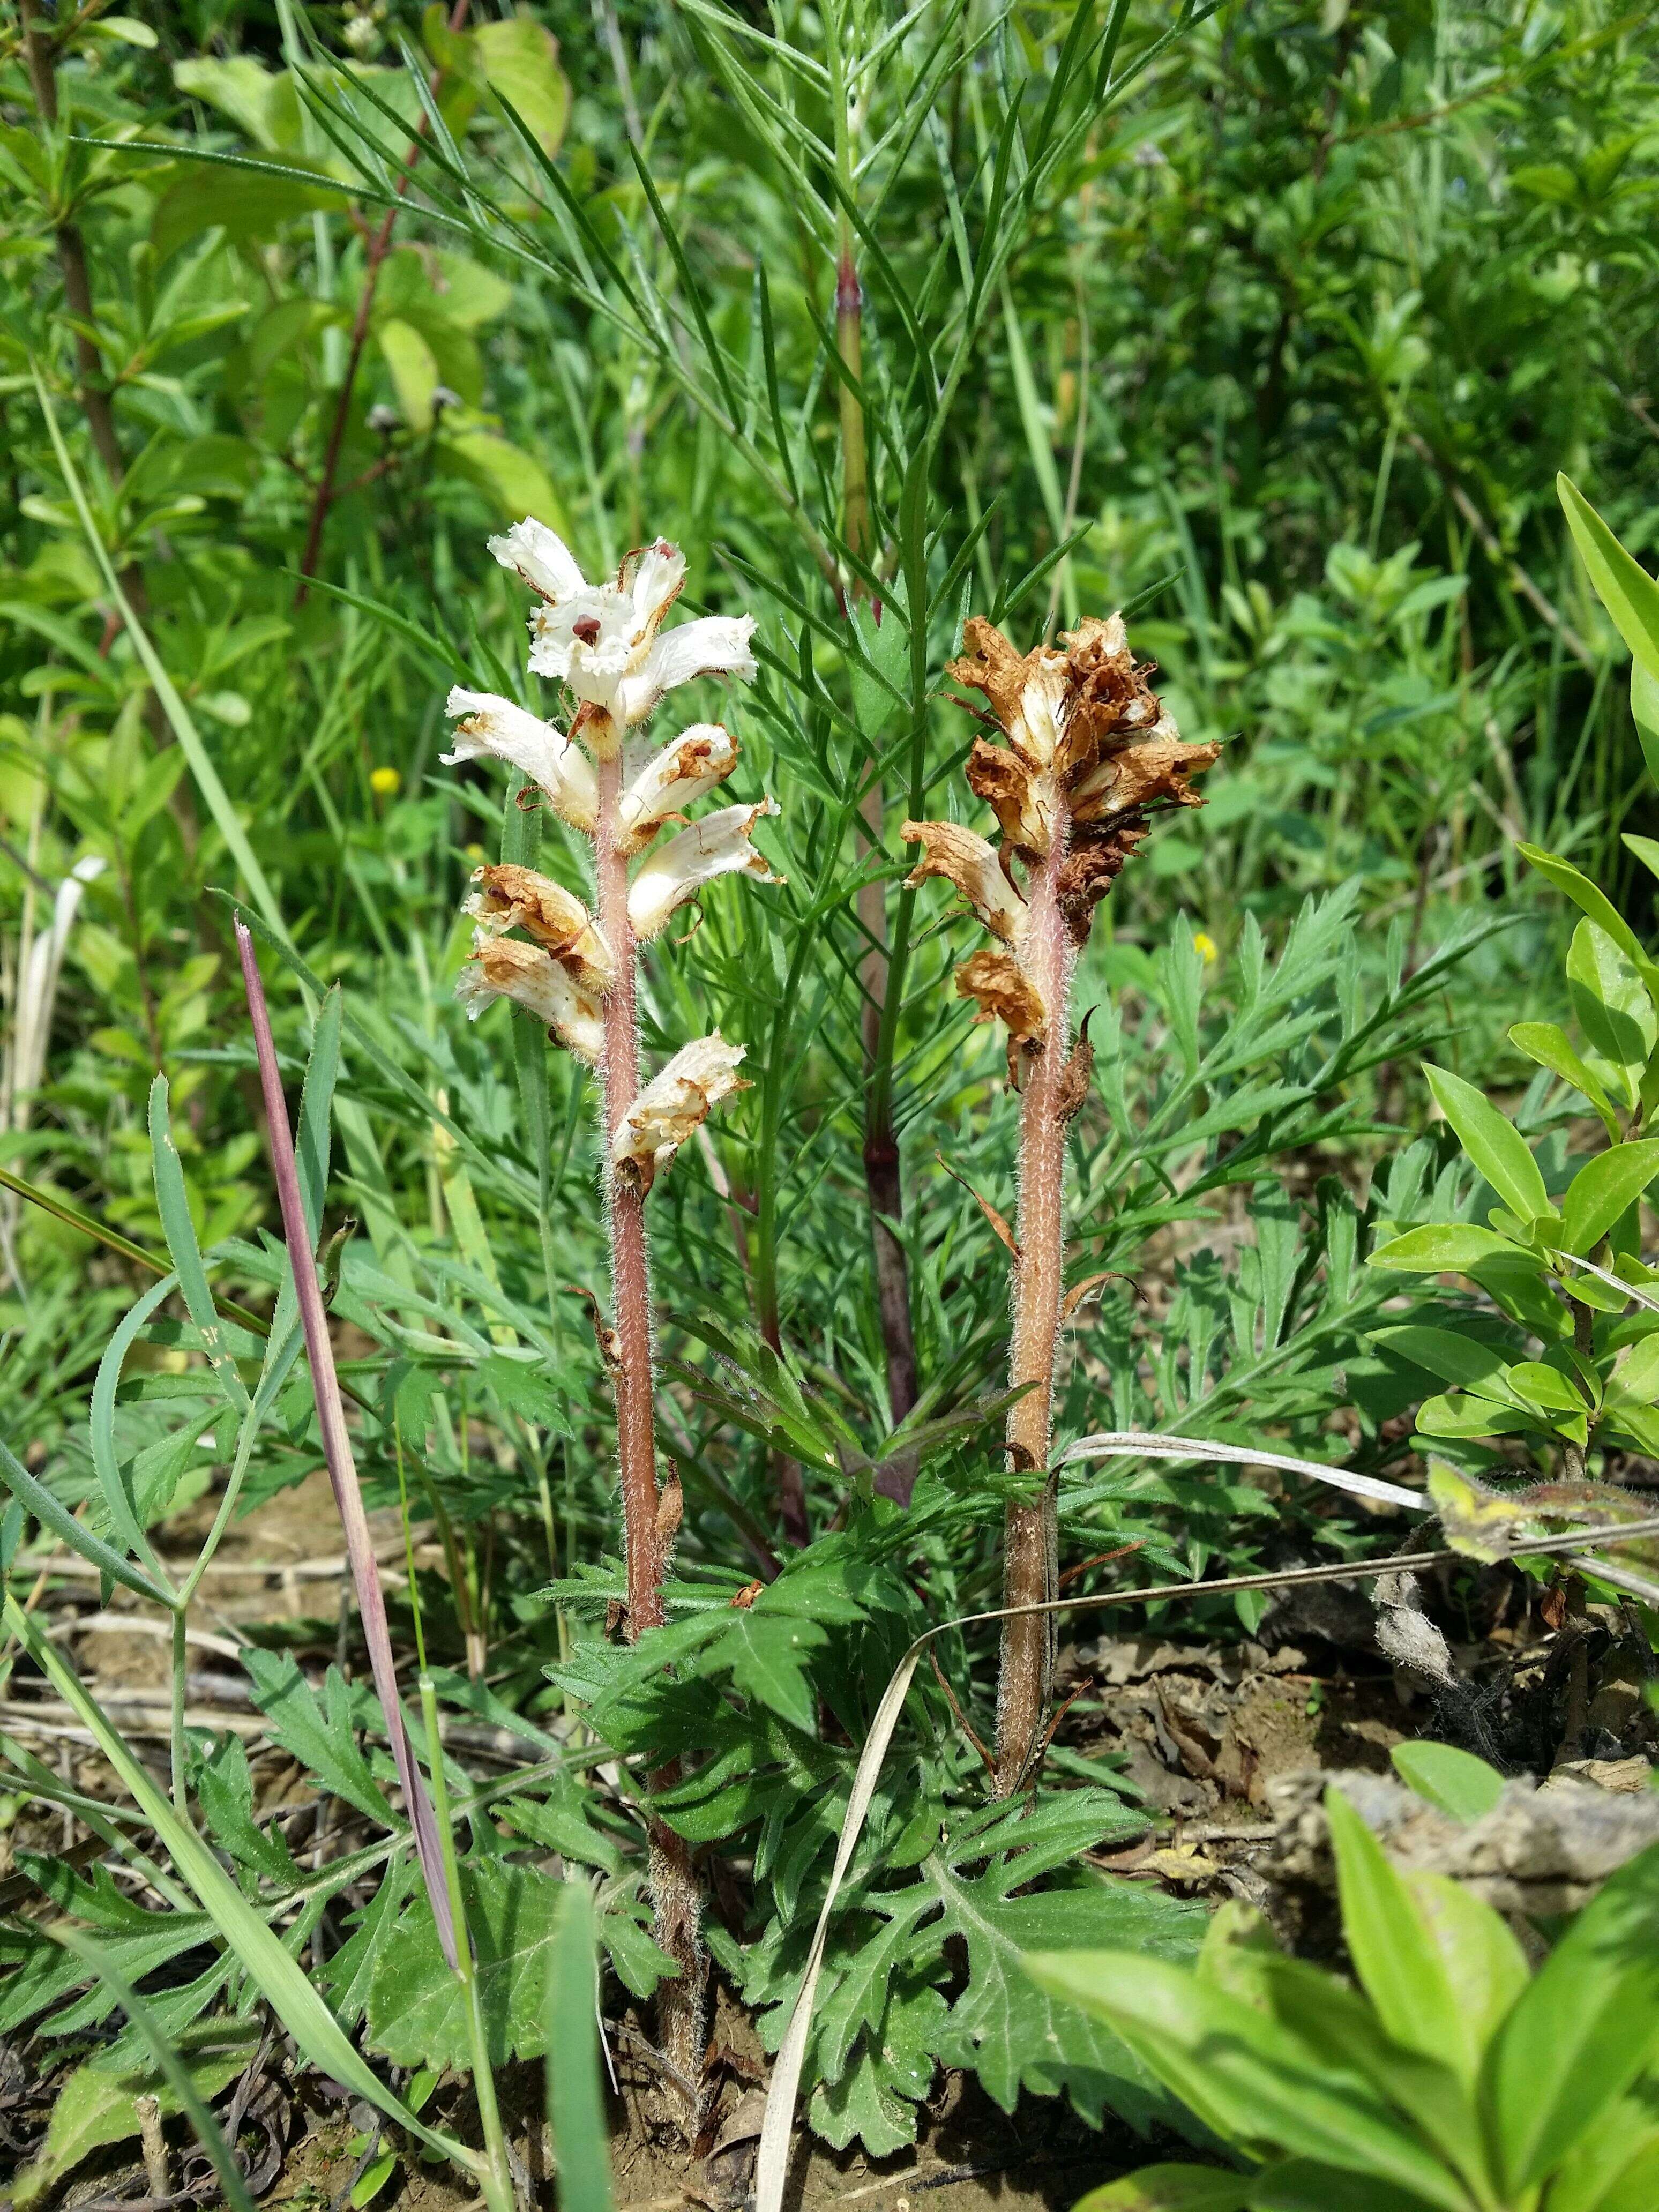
x,y
1090,751
537,944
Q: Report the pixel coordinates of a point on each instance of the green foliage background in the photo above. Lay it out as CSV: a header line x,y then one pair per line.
x,y
1270,322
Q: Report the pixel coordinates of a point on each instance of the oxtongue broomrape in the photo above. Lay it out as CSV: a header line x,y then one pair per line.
x,y
537,944
1088,753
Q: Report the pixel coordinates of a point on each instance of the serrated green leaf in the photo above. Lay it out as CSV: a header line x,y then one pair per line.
x,y
138,1941
319,1732
417,2007
416,2012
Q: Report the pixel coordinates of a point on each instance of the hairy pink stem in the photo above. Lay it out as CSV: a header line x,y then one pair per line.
x,y
337,1450
630,1260
1029,1563
676,1891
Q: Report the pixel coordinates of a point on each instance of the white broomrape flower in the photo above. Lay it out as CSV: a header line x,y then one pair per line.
x,y
601,638
494,726
718,845
673,1105
667,783
505,968
541,556
714,645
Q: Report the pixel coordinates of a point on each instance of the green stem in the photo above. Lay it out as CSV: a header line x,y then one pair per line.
x,y
181,1793
497,2181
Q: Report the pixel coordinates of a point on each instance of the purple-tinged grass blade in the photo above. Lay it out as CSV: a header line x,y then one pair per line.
x,y
337,1450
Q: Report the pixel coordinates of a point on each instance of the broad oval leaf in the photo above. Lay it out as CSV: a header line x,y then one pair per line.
x,y
1603,1187
1170,2189
1548,1044
1447,1248
1397,1958
1492,1142
1587,896
1245,2075
1455,1781
1623,586
1611,1003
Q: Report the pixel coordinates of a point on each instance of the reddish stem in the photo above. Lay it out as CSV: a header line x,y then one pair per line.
x,y
379,245
337,1450
630,1259
676,1890
1029,1562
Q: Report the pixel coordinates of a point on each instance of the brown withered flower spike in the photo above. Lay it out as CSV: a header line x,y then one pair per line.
x,y
1090,751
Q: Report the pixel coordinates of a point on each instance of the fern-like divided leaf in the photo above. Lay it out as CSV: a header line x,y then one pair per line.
x,y
925,1971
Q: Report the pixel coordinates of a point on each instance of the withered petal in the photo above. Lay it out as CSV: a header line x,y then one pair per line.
x,y
1017,797
1158,772
965,859
513,898
673,1105
1005,993
1091,866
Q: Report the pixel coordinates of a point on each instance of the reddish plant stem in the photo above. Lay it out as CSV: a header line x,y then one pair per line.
x,y
676,1889
630,1261
1029,1545
881,1154
379,245
38,47
337,1451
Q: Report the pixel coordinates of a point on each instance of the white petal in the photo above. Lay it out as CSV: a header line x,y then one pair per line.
x,y
659,574
718,645
541,557
698,759
673,1105
504,968
587,642
718,845
494,726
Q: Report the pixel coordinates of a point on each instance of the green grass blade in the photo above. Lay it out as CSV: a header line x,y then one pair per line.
x,y
124,1518
209,2133
51,1513
575,2103
180,1233
281,1979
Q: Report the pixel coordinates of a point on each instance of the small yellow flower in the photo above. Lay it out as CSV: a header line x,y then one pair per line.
x,y
474,852
385,782
1205,947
